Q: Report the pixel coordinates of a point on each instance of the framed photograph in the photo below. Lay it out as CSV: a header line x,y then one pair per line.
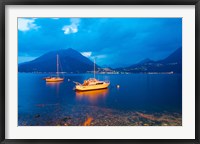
x,y
100,71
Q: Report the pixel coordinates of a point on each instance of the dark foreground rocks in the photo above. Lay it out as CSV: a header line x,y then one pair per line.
x,y
80,115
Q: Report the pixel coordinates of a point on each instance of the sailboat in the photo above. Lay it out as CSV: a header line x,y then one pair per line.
x,y
55,78
91,84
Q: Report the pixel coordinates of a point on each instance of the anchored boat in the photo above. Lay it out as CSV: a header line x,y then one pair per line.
x,y
91,84
56,78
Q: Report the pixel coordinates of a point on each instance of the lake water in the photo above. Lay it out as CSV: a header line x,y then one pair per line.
x,y
151,99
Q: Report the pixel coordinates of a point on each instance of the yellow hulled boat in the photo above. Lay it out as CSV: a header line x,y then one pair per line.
x,y
53,79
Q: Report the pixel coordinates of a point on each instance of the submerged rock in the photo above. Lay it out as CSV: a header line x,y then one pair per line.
x,y
37,116
66,118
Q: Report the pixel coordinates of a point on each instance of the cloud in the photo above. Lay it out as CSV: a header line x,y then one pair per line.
x,y
86,54
26,24
99,56
73,27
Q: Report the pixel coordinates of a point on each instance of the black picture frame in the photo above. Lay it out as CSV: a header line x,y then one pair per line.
x,y
3,4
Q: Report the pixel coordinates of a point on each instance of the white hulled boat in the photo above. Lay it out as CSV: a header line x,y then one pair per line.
x,y
91,84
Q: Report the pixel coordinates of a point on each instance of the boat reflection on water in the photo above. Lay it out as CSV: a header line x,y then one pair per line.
x,y
54,85
88,121
92,95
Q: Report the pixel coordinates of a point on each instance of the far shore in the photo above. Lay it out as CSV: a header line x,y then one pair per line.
x,y
102,73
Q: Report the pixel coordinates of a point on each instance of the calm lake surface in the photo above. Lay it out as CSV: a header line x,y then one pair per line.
x,y
42,103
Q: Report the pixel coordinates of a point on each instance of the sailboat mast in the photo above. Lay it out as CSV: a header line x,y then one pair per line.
x,y
57,65
94,68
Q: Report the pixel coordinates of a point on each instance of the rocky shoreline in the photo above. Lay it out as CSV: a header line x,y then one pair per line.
x,y
81,115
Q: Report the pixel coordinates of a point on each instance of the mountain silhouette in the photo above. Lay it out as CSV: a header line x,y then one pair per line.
x,y
176,56
69,61
172,63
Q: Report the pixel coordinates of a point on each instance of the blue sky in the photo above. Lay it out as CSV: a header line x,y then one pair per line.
x,y
113,42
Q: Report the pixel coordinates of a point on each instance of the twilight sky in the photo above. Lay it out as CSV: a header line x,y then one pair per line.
x,y
113,42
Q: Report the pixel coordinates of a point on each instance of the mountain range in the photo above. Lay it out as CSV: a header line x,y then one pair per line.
x,y
72,61
172,63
